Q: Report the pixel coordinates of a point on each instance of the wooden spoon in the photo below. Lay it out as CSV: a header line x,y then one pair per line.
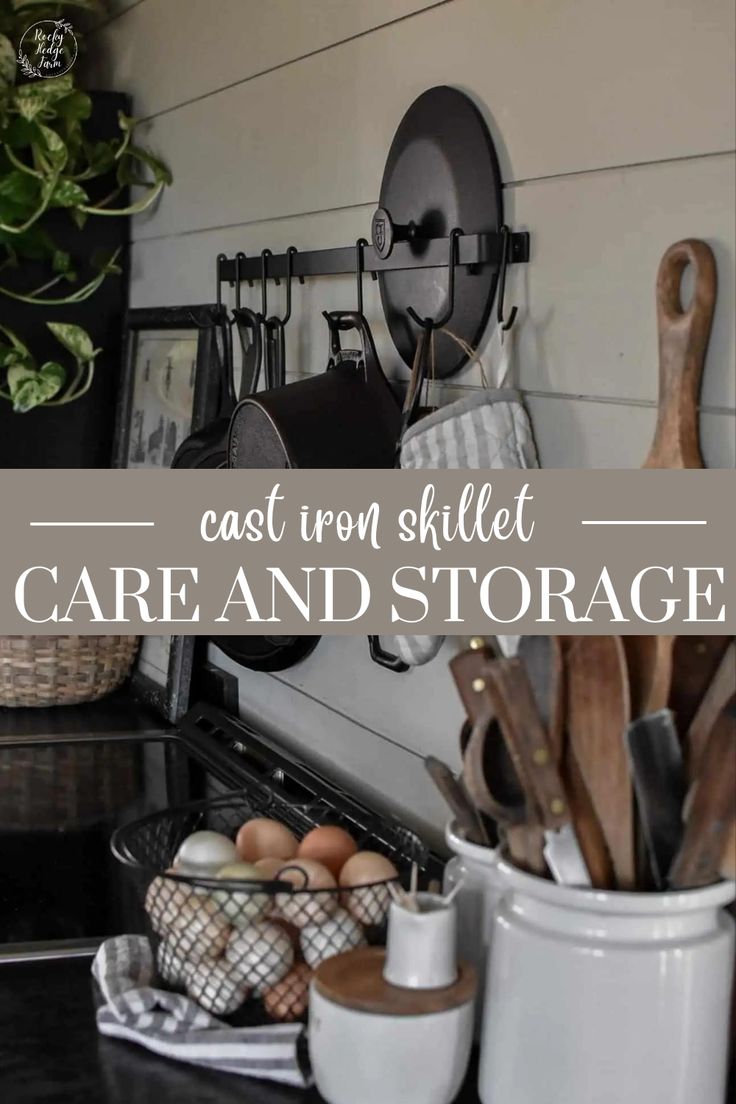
x,y
683,341
721,690
649,664
709,809
599,711
695,660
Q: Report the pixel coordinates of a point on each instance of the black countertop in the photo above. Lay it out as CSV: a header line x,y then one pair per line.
x,y
50,1052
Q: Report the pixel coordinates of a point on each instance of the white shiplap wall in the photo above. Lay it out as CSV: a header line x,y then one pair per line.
x,y
614,122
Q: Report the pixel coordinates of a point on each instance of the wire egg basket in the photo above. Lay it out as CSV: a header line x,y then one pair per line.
x,y
246,950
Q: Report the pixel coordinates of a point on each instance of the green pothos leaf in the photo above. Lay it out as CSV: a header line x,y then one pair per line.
x,y
56,151
16,343
7,63
28,388
67,193
75,339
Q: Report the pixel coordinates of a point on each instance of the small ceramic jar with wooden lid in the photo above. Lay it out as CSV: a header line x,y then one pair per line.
x,y
375,1043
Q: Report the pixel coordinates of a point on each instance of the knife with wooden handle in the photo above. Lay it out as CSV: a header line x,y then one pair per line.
x,y
543,659
534,759
710,809
658,773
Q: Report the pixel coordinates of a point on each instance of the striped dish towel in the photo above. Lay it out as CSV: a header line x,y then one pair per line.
x,y
175,1027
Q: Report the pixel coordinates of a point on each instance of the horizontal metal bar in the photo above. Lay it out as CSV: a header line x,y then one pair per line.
x,y
473,249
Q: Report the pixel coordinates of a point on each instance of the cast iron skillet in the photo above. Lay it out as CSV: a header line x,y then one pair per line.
x,y
266,653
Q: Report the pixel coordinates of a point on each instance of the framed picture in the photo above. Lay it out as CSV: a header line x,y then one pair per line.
x,y
173,381
163,673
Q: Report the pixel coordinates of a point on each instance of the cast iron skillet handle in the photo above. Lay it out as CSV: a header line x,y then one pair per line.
x,y
385,659
249,332
353,320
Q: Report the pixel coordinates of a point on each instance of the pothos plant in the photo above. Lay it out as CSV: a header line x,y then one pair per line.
x,y
48,161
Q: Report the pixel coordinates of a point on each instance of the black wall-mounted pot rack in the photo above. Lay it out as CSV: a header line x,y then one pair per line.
x,y
441,211
472,250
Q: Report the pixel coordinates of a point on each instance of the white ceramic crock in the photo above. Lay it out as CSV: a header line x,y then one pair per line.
x,y
421,946
476,901
606,998
366,1058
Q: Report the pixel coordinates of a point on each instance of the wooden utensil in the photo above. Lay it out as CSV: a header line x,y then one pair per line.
x,y
535,763
721,690
543,658
467,670
649,665
683,341
466,816
695,660
728,861
598,713
710,809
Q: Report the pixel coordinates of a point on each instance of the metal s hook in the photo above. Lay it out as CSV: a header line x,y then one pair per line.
x,y
359,247
501,292
438,323
265,254
220,258
290,252
238,258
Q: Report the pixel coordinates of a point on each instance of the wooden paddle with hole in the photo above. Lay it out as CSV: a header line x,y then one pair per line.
x,y
683,341
598,712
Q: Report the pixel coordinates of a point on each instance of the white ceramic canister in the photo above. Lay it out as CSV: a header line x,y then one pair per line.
x,y
607,998
373,1043
481,891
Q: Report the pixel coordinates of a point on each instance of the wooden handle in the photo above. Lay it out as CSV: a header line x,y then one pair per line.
x,y
721,690
487,780
711,810
465,815
467,671
683,341
527,741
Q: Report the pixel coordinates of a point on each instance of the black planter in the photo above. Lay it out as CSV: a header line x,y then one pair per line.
x,y
78,435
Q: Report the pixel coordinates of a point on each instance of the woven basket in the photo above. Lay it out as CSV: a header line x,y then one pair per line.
x,y
62,670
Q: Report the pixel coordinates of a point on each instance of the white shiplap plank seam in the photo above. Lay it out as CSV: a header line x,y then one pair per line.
x,y
622,167
291,61
507,185
650,404
446,387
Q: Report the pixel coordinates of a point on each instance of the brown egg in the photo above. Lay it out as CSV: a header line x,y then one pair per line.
x,y
200,930
268,868
330,845
366,901
215,987
263,838
312,902
289,999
